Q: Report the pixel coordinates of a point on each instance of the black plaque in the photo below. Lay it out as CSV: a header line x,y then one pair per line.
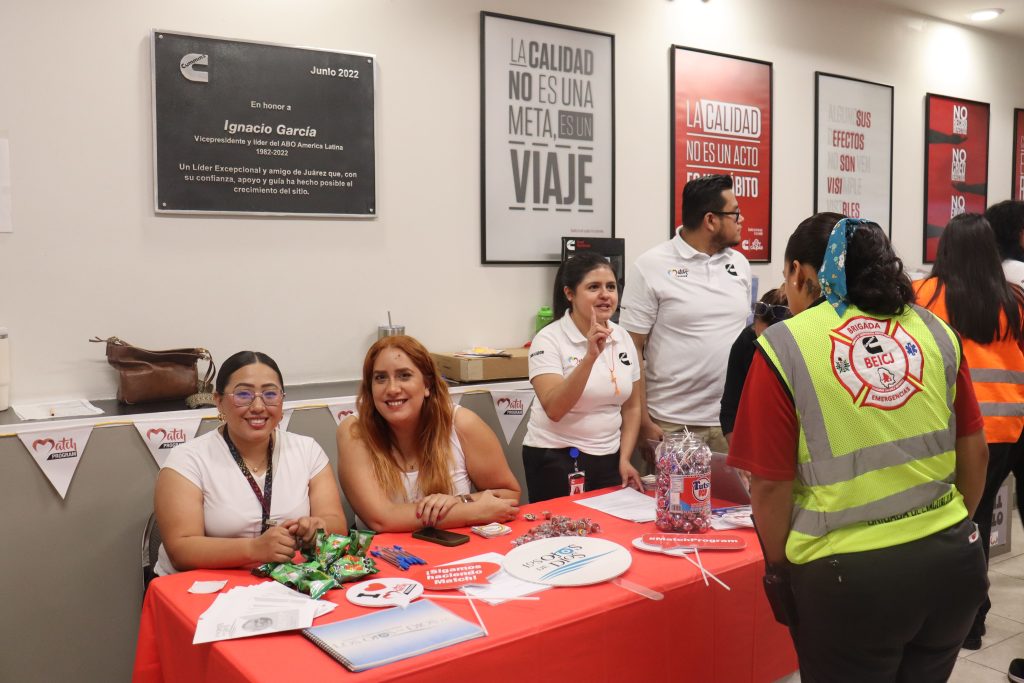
x,y
252,128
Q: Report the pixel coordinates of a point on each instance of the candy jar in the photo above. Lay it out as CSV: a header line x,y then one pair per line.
x,y
683,490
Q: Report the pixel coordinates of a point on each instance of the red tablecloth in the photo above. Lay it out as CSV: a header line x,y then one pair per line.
x,y
589,633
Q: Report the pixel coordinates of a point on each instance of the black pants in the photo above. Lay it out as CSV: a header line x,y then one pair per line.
x,y
1001,460
895,614
547,471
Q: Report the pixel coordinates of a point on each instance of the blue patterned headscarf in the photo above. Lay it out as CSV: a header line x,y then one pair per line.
x,y
832,274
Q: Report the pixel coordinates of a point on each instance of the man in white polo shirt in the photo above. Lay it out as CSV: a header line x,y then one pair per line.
x,y
687,300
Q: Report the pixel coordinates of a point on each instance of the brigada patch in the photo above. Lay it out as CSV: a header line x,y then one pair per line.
x,y
877,361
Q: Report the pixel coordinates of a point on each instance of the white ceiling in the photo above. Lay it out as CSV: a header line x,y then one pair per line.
x,y
1011,22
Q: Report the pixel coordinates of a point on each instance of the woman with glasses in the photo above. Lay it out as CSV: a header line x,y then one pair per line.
x,y
768,311
968,290
859,426
245,493
410,458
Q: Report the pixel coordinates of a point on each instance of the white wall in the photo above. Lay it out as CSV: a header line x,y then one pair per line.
x,y
89,257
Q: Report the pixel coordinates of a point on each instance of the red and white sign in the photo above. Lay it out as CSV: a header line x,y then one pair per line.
x,y
723,125
454,576
877,362
161,436
57,452
956,164
699,541
388,592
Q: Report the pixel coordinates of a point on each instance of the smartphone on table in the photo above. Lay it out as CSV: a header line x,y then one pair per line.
x,y
440,536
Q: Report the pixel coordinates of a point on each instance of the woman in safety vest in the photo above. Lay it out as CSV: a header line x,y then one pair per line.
x,y
860,428
967,290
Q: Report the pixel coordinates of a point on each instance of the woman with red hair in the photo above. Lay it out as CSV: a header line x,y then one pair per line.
x,y
410,458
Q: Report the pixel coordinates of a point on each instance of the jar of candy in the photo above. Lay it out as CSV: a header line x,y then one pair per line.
x,y
683,491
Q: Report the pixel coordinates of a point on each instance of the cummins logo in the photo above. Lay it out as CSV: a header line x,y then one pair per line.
x,y
188,67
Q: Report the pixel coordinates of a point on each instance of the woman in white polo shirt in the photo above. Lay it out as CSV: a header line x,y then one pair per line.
x,y
585,371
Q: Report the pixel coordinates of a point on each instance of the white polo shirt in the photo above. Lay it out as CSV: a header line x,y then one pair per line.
x,y
593,424
691,306
1013,271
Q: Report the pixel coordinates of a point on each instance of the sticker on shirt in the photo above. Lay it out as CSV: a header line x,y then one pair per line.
x,y
572,361
877,361
679,273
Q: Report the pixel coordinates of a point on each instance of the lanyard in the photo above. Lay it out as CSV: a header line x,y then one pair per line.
x,y
262,496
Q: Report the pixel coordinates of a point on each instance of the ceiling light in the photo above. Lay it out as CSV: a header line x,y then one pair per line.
x,y
985,14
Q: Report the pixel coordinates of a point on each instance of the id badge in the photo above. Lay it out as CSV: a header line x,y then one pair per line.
x,y
577,481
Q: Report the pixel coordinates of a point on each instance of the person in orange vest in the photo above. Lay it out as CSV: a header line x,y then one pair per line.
x,y
967,289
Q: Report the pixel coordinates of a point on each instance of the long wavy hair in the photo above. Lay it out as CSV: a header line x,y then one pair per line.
x,y
969,269
435,426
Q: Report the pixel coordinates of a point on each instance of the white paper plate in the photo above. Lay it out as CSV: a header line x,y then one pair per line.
x,y
639,544
384,592
567,561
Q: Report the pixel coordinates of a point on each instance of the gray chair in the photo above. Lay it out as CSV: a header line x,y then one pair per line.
x,y
151,541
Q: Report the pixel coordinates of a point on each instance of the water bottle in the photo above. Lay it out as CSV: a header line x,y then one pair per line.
x,y
5,370
544,317
683,492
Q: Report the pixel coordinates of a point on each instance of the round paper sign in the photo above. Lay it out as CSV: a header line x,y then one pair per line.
x,y
567,561
453,576
384,592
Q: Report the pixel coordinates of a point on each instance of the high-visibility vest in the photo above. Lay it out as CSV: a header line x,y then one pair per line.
x,y
997,372
876,461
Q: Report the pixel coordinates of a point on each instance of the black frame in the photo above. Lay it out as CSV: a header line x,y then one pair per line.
x,y
672,125
483,132
927,148
892,130
1018,150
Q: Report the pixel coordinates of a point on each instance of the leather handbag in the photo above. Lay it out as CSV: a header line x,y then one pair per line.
x,y
145,376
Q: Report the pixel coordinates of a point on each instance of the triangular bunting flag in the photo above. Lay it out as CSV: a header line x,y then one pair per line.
x,y
163,435
511,407
58,452
342,409
286,417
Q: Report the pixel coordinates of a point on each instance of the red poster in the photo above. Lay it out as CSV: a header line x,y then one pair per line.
x,y
956,164
722,123
1017,191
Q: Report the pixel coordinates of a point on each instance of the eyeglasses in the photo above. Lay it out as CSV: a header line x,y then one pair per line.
x,y
773,311
246,397
735,214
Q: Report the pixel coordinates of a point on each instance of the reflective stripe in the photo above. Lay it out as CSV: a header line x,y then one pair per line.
x,y
873,458
989,409
807,407
949,356
996,375
817,523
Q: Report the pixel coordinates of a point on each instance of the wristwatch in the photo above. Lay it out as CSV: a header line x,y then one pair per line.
x,y
465,498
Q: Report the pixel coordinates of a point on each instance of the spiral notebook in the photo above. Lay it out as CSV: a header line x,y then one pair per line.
x,y
390,635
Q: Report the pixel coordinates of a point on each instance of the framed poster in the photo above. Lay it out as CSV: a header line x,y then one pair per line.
x,y
955,163
722,123
1017,190
547,129
252,128
853,148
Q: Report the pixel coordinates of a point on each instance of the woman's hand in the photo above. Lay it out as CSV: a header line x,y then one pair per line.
x,y
304,528
630,477
495,509
276,544
597,335
432,509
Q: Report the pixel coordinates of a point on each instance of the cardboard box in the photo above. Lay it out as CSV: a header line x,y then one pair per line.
x,y
462,369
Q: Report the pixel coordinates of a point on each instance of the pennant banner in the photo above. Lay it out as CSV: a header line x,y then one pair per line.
x,y
511,407
58,452
163,435
339,411
286,417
